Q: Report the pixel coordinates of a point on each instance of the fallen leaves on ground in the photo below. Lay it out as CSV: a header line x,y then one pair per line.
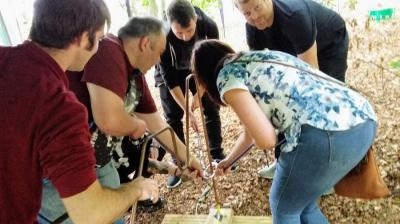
x,y
373,47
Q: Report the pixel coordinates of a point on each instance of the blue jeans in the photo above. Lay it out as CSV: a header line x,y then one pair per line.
x,y
319,161
52,205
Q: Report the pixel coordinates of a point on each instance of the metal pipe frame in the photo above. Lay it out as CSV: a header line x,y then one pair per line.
x,y
215,186
182,166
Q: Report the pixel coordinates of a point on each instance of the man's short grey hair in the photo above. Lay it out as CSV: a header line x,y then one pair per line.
x,y
138,27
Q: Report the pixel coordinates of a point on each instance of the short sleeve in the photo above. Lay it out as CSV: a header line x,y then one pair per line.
x,y
65,153
250,38
108,69
301,30
146,103
231,77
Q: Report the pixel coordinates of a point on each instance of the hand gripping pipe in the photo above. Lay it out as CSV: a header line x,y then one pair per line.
x,y
182,165
215,187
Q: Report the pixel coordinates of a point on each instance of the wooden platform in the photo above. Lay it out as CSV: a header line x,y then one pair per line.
x,y
228,218
201,219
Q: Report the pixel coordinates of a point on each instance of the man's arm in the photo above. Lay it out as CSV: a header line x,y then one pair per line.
x,y
98,204
310,56
301,30
67,159
155,123
212,29
110,116
178,96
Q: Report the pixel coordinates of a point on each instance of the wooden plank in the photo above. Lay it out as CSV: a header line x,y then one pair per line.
x,y
184,219
252,220
201,219
225,215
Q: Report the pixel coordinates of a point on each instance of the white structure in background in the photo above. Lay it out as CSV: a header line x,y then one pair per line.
x,y
14,21
16,16
4,37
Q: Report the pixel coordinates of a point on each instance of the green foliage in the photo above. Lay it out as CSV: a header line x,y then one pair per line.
x,y
395,63
206,5
328,3
145,3
352,4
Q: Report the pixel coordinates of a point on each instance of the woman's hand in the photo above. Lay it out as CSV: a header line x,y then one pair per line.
x,y
222,168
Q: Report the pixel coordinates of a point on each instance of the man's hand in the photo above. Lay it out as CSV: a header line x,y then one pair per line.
x,y
140,129
222,168
195,103
147,187
193,172
153,152
193,121
194,164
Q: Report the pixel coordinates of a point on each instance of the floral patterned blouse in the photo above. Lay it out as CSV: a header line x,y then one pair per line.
x,y
291,97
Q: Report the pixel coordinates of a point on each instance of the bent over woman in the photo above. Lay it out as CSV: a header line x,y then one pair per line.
x,y
328,127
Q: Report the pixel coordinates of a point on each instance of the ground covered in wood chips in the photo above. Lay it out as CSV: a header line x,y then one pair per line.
x,y
374,46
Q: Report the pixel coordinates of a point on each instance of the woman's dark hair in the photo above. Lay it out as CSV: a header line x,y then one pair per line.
x,y
181,11
208,57
56,23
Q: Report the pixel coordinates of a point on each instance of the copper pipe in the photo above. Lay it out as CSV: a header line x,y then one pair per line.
x,y
215,187
143,153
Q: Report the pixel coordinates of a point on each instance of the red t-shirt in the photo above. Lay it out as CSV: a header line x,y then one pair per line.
x,y
44,133
110,69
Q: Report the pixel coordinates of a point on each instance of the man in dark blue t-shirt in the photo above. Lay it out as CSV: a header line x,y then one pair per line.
x,y
303,28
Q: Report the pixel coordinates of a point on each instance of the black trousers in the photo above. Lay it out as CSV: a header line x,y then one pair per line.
x,y
174,114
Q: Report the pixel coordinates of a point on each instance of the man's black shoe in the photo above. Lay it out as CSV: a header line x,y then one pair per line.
x,y
173,181
148,206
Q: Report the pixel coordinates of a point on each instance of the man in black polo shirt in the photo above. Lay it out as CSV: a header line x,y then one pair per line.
x,y
303,28
188,25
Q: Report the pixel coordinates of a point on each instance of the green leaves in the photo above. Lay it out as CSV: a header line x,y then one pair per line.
x,y
206,5
395,63
145,3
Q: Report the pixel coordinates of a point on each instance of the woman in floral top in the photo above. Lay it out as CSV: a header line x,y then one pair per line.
x,y
328,127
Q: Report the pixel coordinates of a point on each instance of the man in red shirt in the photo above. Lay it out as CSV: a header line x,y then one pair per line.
x,y
44,130
119,95
114,89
